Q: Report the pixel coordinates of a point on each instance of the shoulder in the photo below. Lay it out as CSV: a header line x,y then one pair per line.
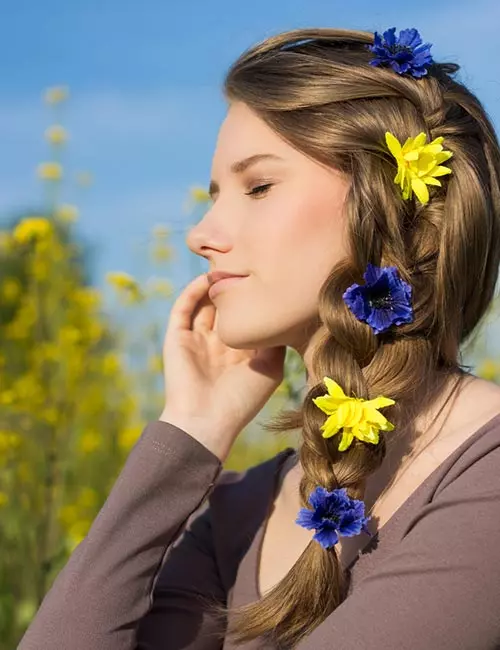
x,y
250,488
477,460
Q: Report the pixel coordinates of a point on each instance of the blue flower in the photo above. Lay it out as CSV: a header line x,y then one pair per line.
x,y
406,54
334,514
383,301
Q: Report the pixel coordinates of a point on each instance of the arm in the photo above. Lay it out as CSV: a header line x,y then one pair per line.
x,y
105,588
179,618
440,588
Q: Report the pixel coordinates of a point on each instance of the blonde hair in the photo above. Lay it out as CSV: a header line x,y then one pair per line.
x,y
316,89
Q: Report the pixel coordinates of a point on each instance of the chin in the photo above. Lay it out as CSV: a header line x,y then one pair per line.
x,y
245,337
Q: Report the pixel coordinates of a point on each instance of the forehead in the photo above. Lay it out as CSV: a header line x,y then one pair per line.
x,y
243,134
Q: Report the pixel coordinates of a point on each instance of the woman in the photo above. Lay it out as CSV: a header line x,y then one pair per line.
x,y
375,261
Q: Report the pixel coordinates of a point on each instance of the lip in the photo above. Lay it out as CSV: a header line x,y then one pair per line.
x,y
223,283
215,276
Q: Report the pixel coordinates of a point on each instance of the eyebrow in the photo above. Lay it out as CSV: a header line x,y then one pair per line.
x,y
240,166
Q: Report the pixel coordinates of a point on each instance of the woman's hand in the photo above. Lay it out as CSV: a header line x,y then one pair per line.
x,y
213,391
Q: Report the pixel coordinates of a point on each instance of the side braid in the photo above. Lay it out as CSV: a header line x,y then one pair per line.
x,y
316,89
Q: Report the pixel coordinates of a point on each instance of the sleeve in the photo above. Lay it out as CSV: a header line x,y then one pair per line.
x,y
105,589
188,581
440,588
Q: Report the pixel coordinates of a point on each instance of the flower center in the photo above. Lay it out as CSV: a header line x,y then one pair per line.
x,y
334,518
380,301
400,49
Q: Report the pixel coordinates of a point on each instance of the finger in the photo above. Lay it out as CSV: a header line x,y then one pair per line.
x,y
204,315
182,311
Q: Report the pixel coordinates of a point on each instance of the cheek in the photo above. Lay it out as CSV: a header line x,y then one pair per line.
x,y
304,239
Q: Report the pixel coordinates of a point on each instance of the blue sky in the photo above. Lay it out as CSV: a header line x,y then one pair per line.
x,y
146,103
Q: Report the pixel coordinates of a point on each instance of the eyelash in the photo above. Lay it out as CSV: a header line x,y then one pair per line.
x,y
260,190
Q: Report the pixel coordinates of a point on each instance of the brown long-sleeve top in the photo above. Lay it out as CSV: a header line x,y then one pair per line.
x,y
176,530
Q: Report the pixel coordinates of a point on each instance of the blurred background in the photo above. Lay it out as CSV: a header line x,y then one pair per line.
x,y
109,113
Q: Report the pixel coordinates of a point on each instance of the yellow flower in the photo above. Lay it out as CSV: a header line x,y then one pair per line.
x,y
196,196
160,287
161,232
4,499
161,252
7,397
110,364
56,94
88,498
9,440
126,285
10,289
419,163
77,533
128,437
87,297
121,280
357,417
31,228
49,414
489,370
56,134
199,195
49,171
89,442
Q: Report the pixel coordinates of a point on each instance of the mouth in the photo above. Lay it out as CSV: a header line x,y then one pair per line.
x,y
216,276
224,283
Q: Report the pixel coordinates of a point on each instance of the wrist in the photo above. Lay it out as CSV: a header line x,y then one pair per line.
x,y
209,434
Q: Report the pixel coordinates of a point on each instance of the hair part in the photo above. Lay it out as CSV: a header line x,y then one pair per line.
x,y
317,90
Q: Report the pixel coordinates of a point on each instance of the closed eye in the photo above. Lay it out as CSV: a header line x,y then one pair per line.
x,y
260,190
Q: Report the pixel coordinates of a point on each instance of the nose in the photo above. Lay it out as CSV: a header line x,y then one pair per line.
x,y
207,237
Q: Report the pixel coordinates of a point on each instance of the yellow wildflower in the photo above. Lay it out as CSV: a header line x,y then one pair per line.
x,y
49,414
128,437
56,134
419,163
357,417
196,196
7,397
9,440
161,232
199,194
77,533
50,171
110,364
489,370
121,280
10,289
31,228
89,442
126,285
88,297
160,287
161,252
67,213
88,498
56,94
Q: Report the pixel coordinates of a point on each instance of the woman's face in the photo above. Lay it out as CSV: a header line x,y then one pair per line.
x,y
279,222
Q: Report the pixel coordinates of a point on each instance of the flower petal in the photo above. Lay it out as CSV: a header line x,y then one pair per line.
x,y
393,144
347,438
420,189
